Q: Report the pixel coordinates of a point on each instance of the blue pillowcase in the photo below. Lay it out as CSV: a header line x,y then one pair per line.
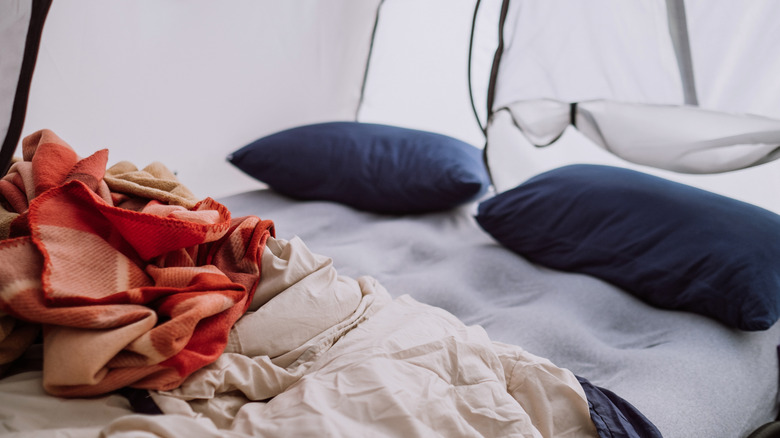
x,y
371,167
672,245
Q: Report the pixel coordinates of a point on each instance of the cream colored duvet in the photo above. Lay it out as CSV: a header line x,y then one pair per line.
x,y
328,355
332,356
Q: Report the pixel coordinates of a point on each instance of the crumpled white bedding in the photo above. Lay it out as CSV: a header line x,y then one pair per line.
x,y
330,355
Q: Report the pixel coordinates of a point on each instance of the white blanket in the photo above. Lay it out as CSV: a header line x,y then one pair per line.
x,y
328,355
334,356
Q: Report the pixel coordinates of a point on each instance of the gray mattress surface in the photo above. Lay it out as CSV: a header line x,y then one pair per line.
x,y
691,376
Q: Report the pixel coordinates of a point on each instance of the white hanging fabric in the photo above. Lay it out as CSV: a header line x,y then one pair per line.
x,y
683,139
574,51
637,80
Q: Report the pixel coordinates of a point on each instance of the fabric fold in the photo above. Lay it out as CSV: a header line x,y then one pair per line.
x,y
140,296
335,355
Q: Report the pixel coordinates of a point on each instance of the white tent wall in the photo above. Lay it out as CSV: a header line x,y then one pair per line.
x,y
418,76
185,83
736,49
567,50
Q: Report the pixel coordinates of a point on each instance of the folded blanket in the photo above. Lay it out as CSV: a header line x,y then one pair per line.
x,y
134,282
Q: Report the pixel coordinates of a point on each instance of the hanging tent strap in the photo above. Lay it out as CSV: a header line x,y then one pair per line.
x,y
494,67
493,74
368,61
12,42
468,73
491,97
678,29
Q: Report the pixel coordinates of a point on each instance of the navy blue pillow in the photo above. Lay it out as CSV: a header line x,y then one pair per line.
x,y
379,168
672,245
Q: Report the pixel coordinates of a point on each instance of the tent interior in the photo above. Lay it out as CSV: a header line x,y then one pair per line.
x,y
521,218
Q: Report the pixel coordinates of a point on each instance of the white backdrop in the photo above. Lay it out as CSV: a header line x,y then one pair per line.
x,y
419,68
185,83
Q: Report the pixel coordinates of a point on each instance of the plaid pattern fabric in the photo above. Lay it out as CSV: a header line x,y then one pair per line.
x,y
126,297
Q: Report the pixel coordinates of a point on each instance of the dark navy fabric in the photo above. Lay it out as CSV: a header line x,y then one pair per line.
x,y
140,401
768,430
379,168
674,246
613,416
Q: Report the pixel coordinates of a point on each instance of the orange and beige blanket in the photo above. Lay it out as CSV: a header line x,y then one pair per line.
x,y
130,279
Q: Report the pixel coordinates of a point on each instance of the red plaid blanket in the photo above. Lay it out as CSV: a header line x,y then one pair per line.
x,y
126,298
